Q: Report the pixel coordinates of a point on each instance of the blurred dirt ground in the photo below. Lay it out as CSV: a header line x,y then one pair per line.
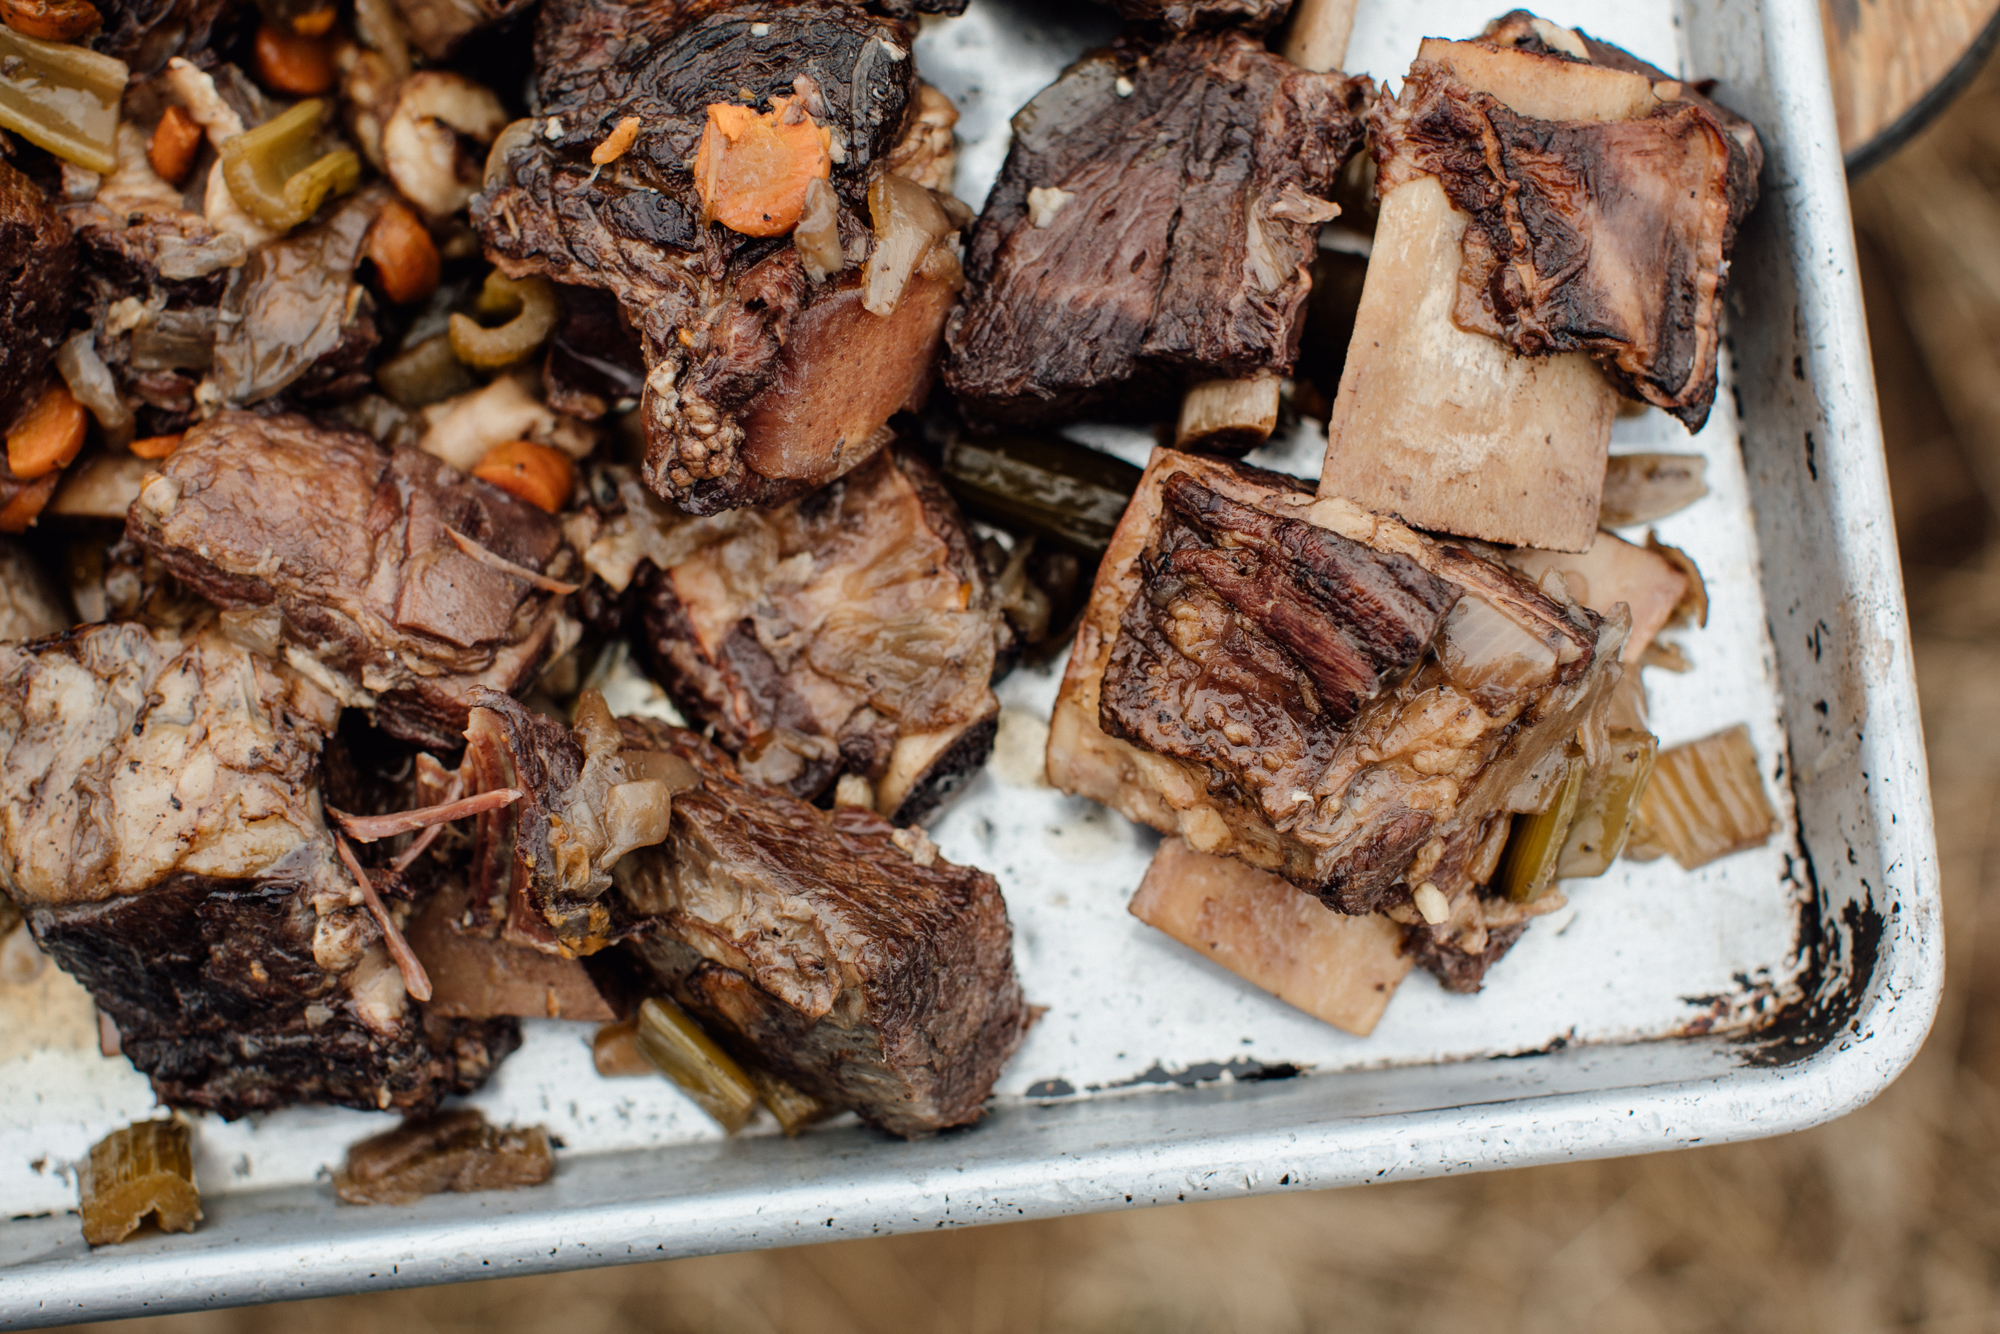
x,y
1887,1219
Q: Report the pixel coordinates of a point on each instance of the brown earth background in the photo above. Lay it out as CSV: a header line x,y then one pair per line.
x,y
1888,1219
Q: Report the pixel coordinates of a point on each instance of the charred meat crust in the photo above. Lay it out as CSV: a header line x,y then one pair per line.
x,y
818,947
1190,180
1455,968
712,308
1606,237
145,34
216,996
350,546
37,265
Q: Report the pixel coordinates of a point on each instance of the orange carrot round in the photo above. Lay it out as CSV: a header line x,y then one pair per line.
x,y
752,168
176,139
46,436
535,473
406,259
24,505
157,446
289,62
50,20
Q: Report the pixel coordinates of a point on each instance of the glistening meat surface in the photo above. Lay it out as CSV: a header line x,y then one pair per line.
x,y
1155,222
339,556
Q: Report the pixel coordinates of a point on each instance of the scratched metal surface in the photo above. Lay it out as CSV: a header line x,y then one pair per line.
x,y
1137,1086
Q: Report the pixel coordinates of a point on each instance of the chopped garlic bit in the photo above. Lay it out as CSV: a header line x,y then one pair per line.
x,y
1431,903
554,129
1123,86
917,844
760,30
1044,202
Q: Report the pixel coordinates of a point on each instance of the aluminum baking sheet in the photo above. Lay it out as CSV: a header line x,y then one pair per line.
x,y
1766,992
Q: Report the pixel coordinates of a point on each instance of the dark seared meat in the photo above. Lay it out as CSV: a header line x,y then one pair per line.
x,y
1200,697
1607,237
1181,15
340,554
1156,221
160,828
594,364
1456,968
763,380
849,632
37,271
218,994
436,26
833,949
145,34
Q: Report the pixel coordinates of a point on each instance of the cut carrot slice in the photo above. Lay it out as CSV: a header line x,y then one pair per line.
x,y
753,167
156,446
25,505
406,259
535,473
175,141
289,62
46,436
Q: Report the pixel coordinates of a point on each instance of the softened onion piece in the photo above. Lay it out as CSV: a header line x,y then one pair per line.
x,y
817,236
1705,800
1639,488
102,486
89,381
636,815
908,222
1489,655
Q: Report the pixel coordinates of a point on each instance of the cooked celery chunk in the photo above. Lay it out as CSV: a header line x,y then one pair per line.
x,y
689,1057
144,1169
1606,808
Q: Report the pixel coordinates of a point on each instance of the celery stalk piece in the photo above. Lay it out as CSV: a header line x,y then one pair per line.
x,y
1609,802
277,173
143,1169
672,1040
1529,868
63,98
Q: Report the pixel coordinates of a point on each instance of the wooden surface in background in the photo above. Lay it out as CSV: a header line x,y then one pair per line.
x,y
1887,54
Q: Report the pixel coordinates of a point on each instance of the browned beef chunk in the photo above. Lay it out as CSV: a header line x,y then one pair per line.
x,y
1204,698
145,34
1156,221
832,948
436,26
765,377
1607,237
1182,15
594,365
160,828
37,273
340,556
851,632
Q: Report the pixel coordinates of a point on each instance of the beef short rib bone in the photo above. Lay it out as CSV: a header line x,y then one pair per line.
x,y
1538,212
772,361
851,632
1269,702
160,827
338,555
831,948
1154,225
1338,968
